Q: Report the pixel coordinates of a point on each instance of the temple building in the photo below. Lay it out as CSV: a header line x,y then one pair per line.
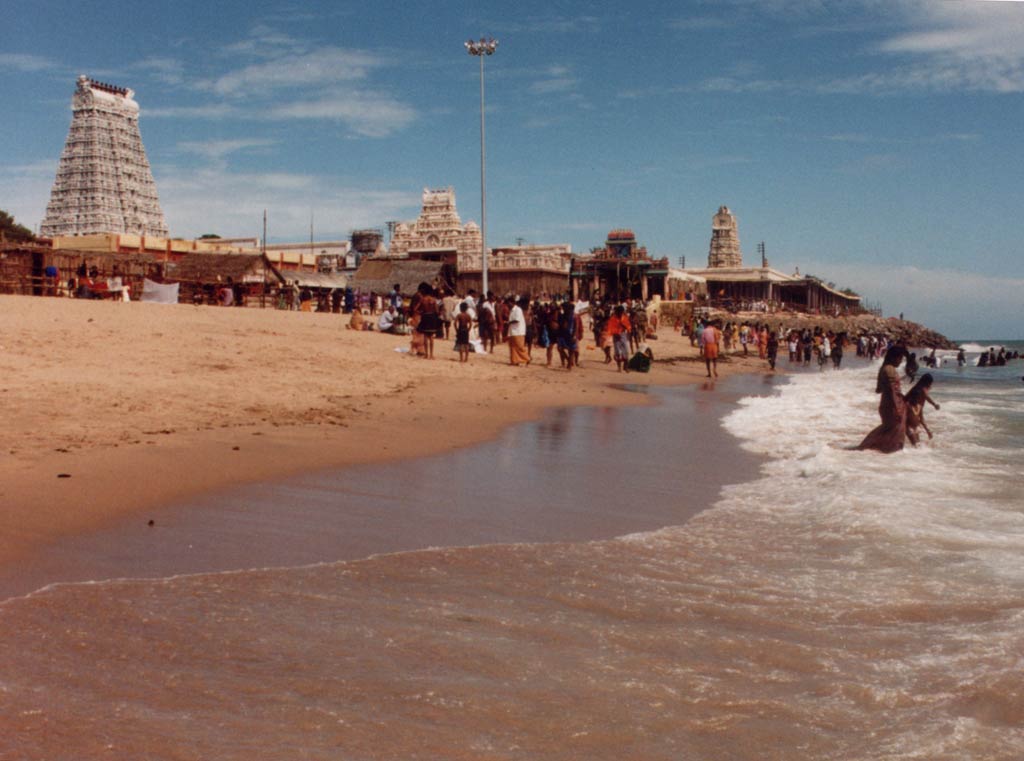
x,y
104,183
620,270
725,240
438,235
730,285
537,270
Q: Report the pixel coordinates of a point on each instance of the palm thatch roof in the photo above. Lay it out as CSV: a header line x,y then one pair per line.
x,y
314,279
216,268
380,275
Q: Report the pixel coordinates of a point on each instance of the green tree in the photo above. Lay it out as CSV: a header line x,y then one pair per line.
x,y
209,236
12,231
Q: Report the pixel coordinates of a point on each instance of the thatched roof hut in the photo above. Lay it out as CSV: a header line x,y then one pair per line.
x,y
327,280
208,269
380,275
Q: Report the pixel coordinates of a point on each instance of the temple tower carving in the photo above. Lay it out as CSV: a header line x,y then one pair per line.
x,y
104,183
725,240
438,228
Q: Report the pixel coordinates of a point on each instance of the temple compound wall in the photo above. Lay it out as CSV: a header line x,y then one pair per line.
x,y
104,183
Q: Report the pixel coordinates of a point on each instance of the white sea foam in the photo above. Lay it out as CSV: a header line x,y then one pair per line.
x,y
947,503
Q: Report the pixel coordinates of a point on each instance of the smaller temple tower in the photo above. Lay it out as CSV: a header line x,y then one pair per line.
x,y
438,233
725,240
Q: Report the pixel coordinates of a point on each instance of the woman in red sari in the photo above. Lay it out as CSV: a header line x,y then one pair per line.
x,y
889,436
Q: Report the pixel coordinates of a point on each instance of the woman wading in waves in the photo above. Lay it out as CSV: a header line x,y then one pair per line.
x,y
889,436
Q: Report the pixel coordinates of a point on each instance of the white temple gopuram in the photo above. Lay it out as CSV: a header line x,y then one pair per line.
x,y
438,234
725,240
104,183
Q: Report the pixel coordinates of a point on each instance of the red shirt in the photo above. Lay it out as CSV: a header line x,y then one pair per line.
x,y
618,325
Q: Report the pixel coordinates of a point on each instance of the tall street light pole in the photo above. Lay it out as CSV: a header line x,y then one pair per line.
x,y
484,47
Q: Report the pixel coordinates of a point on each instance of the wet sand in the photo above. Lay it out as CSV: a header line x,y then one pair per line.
x,y
112,410
577,474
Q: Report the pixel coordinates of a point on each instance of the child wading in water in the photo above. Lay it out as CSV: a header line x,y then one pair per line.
x,y
915,399
463,323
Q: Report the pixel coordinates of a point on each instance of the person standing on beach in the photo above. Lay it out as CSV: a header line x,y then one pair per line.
x,y
710,343
463,324
502,309
599,316
570,331
772,348
517,353
892,408
487,322
395,298
429,320
619,328
449,311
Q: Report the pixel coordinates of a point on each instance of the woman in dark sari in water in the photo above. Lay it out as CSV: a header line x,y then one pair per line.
x,y
889,436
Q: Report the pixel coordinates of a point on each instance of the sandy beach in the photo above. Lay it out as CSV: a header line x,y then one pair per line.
x,y
111,409
552,588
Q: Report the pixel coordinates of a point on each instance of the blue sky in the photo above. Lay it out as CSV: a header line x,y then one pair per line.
x,y
874,143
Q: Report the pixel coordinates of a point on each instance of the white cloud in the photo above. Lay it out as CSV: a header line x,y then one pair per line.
x,y
364,113
169,71
215,150
211,111
25,190
700,23
967,30
554,25
26,62
265,41
232,204
315,68
960,45
558,79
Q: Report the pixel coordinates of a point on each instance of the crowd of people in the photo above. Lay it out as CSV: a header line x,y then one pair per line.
x,y
552,326
804,346
991,358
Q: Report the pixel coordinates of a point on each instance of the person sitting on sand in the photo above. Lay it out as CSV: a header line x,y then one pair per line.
x,y
357,321
641,361
915,399
386,323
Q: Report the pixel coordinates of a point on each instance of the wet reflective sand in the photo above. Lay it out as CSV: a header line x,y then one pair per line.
x,y
578,474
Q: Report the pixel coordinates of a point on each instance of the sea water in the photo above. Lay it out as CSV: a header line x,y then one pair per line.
x,y
841,604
